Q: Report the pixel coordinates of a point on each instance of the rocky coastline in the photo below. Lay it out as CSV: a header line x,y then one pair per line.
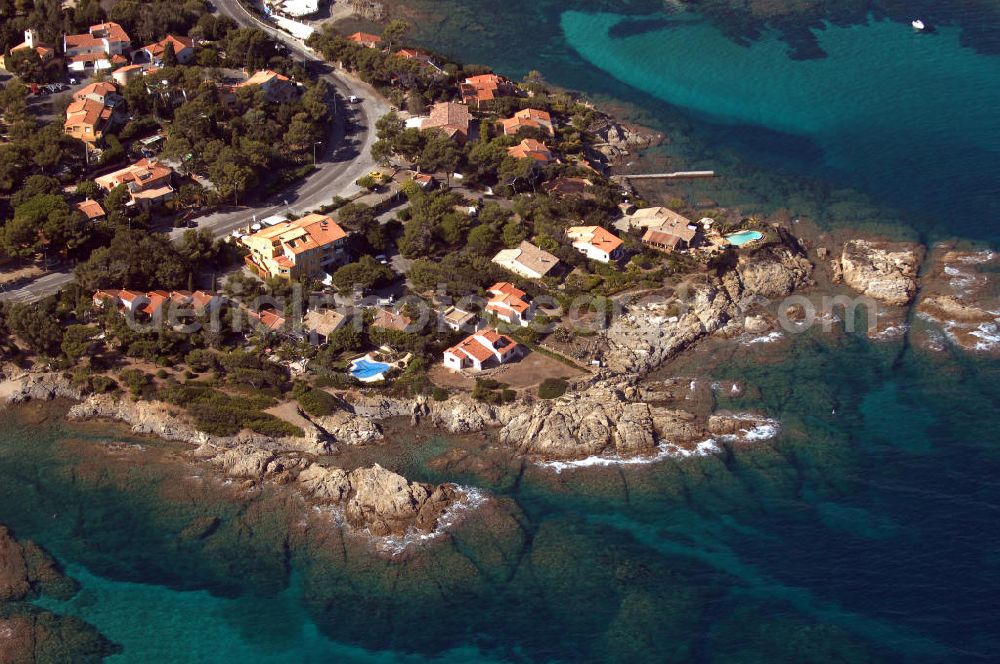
x,y
618,415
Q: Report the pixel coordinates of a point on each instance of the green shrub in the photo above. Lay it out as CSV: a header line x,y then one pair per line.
x,y
552,388
317,403
439,394
135,380
324,381
221,414
102,384
508,395
201,360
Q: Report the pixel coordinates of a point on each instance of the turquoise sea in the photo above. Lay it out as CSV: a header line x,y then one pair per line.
x,y
866,532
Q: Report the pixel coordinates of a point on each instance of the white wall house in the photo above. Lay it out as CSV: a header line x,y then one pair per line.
x,y
479,350
595,243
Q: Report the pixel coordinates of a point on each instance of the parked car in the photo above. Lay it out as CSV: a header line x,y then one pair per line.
x,y
381,258
353,99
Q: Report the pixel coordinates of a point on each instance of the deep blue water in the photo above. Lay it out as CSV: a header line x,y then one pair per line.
x,y
866,532
905,118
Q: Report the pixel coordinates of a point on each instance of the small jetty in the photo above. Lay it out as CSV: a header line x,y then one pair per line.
x,y
676,175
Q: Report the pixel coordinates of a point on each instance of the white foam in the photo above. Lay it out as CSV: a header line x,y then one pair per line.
x,y
988,335
983,256
470,500
766,429
664,451
893,331
768,338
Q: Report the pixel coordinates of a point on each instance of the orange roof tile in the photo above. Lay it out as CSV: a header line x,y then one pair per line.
x,y
157,49
156,301
364,38
92,209
505,288
111,31
471,347
268,319
99,89
529,148
391,320
596,236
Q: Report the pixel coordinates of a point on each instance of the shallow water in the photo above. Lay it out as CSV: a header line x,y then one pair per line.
x,y
866,531
861,534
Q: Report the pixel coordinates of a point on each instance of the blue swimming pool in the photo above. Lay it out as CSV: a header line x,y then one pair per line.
x,y
743,237
366,370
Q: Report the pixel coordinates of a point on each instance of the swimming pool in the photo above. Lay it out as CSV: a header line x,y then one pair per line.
x,y
367,370
743,237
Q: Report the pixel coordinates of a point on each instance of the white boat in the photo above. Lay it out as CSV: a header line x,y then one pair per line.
x,y
917,24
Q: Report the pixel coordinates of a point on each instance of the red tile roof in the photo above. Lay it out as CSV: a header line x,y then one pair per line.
x,y
156,301
364,38
100,89
485,87
268,319
92,209
111,30
596,236
157,49
529,148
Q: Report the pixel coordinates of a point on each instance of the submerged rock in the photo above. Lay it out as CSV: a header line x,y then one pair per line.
x,y
29,634
961,294
27,571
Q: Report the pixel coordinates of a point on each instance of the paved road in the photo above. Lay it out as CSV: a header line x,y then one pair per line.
x,y
345,156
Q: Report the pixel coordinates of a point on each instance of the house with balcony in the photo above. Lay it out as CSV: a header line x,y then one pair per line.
x,y
596,243
153,54
482,350
97,48
87,120
528,118
509,304
305,247
665,230
483,89
149,183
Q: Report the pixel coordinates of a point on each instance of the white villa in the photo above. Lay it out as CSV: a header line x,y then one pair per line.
x,y
482,349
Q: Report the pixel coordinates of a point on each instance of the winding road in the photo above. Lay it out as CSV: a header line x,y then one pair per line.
x,y
345,156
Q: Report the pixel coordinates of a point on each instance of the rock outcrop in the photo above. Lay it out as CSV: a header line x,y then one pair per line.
x,y
885,271
652,332
386,503
773,271
611,419
160,419
21,386
655,329
374,499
